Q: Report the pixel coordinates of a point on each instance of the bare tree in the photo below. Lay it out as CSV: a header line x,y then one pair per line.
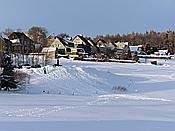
x,y
8,31
63,35
38,35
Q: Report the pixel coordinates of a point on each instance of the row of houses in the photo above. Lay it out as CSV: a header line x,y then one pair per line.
x,y
19,42
79,46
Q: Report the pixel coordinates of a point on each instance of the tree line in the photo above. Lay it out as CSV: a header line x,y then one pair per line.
x,y
149,39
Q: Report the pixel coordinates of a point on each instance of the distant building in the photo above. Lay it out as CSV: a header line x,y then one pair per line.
x,y
21,43
121,45
136,49
103,46
163,52
81,42
66,47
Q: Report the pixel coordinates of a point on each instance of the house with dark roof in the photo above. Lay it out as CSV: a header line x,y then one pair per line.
x,y
63,46
60,44
121,47
81,42
21,43
94,48
103,46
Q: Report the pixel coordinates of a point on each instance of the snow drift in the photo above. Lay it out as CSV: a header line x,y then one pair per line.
x,y
73,81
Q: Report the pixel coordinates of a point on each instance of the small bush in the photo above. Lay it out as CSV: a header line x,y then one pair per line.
x,y
22,77
119,88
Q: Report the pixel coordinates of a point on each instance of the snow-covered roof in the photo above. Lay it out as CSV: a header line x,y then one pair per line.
x,y
163,52
135,48
2,35
1,38
49,49
15,41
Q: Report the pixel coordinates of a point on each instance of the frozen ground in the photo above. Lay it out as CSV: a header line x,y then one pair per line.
x,y
79,96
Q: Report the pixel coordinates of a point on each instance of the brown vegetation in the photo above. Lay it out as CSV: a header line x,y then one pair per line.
x,y
160,40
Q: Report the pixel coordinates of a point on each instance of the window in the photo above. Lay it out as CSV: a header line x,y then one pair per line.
x,y
68,50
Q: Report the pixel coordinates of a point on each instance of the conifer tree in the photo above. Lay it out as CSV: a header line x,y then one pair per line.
x,y
7,76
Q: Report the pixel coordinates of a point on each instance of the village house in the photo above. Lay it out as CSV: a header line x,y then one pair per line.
x,y
82,43
66,47
21,43
103,46
121,47
60,44
136,49
163,52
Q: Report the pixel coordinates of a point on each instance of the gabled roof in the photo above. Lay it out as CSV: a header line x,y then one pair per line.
x,y
50,37
101,41
5,40
61,40
19,35
83,39
69,43
2,38
92,42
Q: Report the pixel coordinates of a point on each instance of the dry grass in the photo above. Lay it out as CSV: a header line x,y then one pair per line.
x,y
119,88
22,77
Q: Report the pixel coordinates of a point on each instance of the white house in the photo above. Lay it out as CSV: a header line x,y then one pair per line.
x,y
136,49
163,52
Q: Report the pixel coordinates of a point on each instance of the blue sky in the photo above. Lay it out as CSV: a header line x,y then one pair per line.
x,y
89,17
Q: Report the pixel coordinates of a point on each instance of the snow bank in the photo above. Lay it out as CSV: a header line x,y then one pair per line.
x,y
73,80
92,78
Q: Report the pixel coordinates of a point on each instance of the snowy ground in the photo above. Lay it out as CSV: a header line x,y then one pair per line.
x,y
79,96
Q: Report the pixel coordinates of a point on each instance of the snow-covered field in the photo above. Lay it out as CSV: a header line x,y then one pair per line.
x,y
79,96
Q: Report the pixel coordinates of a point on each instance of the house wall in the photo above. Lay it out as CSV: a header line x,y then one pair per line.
x,y
120,45
57,44
101,44
77,40
78,43
51,54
